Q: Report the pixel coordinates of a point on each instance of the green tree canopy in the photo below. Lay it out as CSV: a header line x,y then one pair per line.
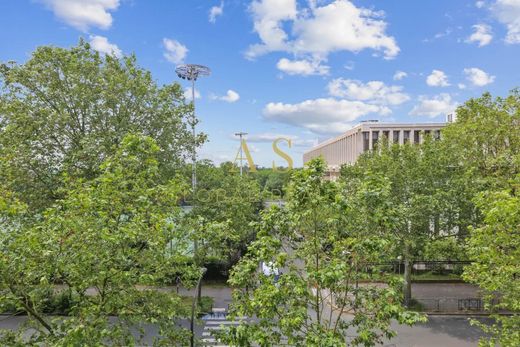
x,y
67,110
233,201
321,257
486,140
427,200
103,240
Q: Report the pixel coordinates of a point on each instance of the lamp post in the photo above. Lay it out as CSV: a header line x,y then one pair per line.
x,y
241,134
193,307
192,72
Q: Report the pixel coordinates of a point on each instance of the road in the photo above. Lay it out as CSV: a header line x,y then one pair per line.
x,y
445,331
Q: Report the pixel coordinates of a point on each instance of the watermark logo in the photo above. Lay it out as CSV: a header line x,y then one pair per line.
x,y
243,153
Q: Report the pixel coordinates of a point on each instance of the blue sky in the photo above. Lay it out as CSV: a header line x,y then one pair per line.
x,y
306,70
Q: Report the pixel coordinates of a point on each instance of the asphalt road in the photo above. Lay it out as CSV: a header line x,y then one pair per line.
x,y
439,331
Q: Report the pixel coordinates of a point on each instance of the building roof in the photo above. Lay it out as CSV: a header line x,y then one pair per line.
x,y
375,124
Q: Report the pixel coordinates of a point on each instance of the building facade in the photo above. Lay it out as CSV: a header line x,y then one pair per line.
x,y
347,147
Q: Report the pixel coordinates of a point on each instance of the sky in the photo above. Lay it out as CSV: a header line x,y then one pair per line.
x,y
303,70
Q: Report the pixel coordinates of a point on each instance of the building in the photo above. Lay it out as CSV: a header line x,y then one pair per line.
x,y
347,147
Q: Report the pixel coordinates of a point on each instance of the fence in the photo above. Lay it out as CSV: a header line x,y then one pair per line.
x,y
420,266
453,305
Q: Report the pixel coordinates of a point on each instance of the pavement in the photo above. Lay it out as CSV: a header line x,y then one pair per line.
x,y
445,331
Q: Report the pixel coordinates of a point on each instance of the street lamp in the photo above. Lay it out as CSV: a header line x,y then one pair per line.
x,y
191,72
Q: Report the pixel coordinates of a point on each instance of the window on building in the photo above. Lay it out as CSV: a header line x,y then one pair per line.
x,y
396,136
427,133
416,136
437,134
386,134
406,136
366,143
375,138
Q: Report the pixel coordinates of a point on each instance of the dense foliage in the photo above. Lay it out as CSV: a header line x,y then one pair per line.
x,y
102,241
230,202
320,252
67,110
427,198
487,139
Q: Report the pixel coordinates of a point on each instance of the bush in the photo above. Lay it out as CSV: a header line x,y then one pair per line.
x,y
217,269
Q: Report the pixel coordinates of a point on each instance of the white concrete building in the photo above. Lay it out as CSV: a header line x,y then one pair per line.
x,y
347,147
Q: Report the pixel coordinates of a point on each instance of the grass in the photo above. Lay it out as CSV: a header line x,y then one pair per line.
x,y
428,276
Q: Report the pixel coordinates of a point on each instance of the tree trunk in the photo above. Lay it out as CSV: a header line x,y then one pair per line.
x,y
407,286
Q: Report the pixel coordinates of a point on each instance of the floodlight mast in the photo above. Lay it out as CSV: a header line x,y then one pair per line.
x,y
192,72
241,134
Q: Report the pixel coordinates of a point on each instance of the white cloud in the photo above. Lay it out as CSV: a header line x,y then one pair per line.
x,y
478,77
508,12
188,95
319,30
216,11
480,4
83,14
302,67
437,79
101,44
399,75
267,16
481,34
435,106
322,116
231,96
175,51
461,86
375,92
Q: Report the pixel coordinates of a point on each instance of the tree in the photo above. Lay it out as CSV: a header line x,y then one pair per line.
x,y
486,139
321,256
67,110
230,202
107,241
428,198
272,183
495,247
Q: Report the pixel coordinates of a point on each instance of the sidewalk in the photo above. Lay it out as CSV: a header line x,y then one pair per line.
x,y
221,294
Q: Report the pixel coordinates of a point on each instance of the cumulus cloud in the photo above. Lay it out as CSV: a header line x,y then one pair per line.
x,y
480,4
399,75
302,67
508,13
437,79
216,11
481,35
374,92
101,44
478,77
188,95
435,106
175,51
83,14
231,96
322,116
318,30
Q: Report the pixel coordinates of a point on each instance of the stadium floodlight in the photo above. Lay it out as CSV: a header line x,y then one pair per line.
x,y
192,72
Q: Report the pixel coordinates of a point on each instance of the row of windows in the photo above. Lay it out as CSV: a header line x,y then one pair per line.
x,y
396,136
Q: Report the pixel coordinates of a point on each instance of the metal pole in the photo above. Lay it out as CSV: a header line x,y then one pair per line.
x,y
241,155
193,305
240,135
194,153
